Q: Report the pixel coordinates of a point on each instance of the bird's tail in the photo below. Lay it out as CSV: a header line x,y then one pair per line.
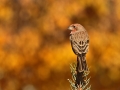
x,y
81,63
81,67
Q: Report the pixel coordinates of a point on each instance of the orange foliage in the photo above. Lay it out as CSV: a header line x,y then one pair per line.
x,y
35,50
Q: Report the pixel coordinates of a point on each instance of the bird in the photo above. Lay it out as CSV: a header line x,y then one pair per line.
x,y
80,44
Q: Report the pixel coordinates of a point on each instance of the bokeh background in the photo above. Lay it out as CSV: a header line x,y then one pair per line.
x,y
35,50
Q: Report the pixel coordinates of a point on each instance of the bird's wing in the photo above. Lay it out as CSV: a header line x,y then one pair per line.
x,y
80,47
76,49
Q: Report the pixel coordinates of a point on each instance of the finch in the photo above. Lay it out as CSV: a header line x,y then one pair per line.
x,y
80,44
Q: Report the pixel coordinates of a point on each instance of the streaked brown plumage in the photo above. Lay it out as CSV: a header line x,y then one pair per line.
x,y
80,43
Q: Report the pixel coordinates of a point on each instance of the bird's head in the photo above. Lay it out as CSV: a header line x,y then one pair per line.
x,y
75,28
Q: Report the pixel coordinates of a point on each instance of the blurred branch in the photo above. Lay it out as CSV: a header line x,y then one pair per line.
x,y
112,4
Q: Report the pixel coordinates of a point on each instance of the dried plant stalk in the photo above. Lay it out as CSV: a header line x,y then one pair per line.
x,y
82,86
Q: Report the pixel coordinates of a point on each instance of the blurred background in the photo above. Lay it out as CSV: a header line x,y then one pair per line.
x,y
35,51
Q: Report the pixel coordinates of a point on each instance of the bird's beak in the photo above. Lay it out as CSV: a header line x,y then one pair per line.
x,y
70,28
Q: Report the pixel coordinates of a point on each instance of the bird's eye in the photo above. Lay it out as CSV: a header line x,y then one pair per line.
x,y
74,26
